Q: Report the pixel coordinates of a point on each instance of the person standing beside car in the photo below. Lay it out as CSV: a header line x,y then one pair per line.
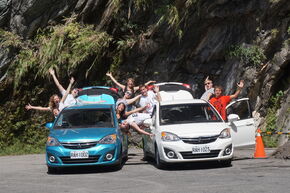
x,y
209,90
219,101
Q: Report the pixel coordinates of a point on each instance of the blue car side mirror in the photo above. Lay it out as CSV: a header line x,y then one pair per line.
x,y
48,125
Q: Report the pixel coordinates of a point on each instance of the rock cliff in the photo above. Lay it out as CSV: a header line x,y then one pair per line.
x,y
183,40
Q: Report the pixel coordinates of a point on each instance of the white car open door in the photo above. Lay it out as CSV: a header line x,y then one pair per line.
x,y
241,123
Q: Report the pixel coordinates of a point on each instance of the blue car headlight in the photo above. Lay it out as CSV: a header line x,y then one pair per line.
x,y
51,141
109,139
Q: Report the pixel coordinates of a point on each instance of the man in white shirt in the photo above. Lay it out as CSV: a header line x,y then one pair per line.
x,y
209,90
135,121
149,98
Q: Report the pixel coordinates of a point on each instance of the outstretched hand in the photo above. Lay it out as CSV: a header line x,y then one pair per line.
x,y
241,84
51,71
28,107
206,78
109,74
156,89
72,80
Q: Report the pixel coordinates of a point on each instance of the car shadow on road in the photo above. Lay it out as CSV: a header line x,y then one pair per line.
x,y
86,170
191,165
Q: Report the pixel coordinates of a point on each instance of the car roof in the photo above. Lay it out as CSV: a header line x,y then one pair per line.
x,y
98,93
183,101
89,106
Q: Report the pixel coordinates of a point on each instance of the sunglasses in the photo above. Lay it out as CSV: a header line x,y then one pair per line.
x,y
128,93
207,83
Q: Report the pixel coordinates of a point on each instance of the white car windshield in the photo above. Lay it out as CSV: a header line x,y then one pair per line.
x,y
84,118
188,113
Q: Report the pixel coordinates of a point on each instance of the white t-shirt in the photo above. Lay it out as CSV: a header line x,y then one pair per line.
x,y
138,118
206,93
149,100
70,100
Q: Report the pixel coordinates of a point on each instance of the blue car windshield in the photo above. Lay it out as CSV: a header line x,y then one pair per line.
x,y
188,113
85,118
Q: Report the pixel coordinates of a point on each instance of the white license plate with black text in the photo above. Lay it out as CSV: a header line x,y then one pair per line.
x,y
79,154
200,149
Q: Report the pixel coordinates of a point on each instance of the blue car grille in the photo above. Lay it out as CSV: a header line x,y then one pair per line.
x,y
200,140
189,155
91,159
84,145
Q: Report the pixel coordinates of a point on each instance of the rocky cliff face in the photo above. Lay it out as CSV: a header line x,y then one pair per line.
x,y
227,40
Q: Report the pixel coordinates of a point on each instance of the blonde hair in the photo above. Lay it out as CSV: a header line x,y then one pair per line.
x,y
52,104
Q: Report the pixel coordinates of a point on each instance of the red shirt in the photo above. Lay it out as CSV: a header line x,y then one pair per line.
x,y
220,104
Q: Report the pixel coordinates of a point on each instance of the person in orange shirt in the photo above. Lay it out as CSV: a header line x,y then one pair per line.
x,y
220,101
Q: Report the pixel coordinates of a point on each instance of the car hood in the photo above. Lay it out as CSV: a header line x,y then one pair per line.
x,y
81,134
195,129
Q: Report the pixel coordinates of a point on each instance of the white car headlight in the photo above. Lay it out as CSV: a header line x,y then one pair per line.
x,y
225,133
109,139
51,141
166,136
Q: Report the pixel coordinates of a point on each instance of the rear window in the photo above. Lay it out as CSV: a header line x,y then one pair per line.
x,y
175,87
99,91
85,118
187,113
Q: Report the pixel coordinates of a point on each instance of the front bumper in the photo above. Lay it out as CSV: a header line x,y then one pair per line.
x,y
183,152
97,155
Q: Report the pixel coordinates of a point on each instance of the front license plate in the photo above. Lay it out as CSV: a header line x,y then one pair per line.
x,y
79,154
200,149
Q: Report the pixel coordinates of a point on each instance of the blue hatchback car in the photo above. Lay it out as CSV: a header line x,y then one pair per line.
x,y
85,135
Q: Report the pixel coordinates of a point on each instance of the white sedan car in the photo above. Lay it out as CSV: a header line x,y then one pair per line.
x,y
190,130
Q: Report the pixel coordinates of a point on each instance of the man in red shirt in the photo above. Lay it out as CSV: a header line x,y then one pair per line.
x,y
220,102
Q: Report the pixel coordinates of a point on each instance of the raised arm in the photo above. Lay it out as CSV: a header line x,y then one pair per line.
x,y
72,80
240,86
149,82
146,84
156,90
59,86
29,107
131,101
109,74
205,88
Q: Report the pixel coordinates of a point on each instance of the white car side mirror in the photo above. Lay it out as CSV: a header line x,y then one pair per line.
x,y
148,122
233,117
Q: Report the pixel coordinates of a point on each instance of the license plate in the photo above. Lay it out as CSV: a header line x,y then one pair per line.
x,y
200,149
79,154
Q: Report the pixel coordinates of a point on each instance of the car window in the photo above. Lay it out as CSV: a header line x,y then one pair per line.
x,y
241,108
85,118
187,113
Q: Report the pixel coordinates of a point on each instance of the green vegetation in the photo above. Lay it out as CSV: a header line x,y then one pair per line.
x,y
274,32
271,120
19,133
274,1
142,4
63,47
169,14
248,55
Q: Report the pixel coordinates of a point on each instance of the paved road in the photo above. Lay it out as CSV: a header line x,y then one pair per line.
x,y
28,174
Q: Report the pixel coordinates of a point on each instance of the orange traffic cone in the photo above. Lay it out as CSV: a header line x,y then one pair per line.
x,y
259,150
